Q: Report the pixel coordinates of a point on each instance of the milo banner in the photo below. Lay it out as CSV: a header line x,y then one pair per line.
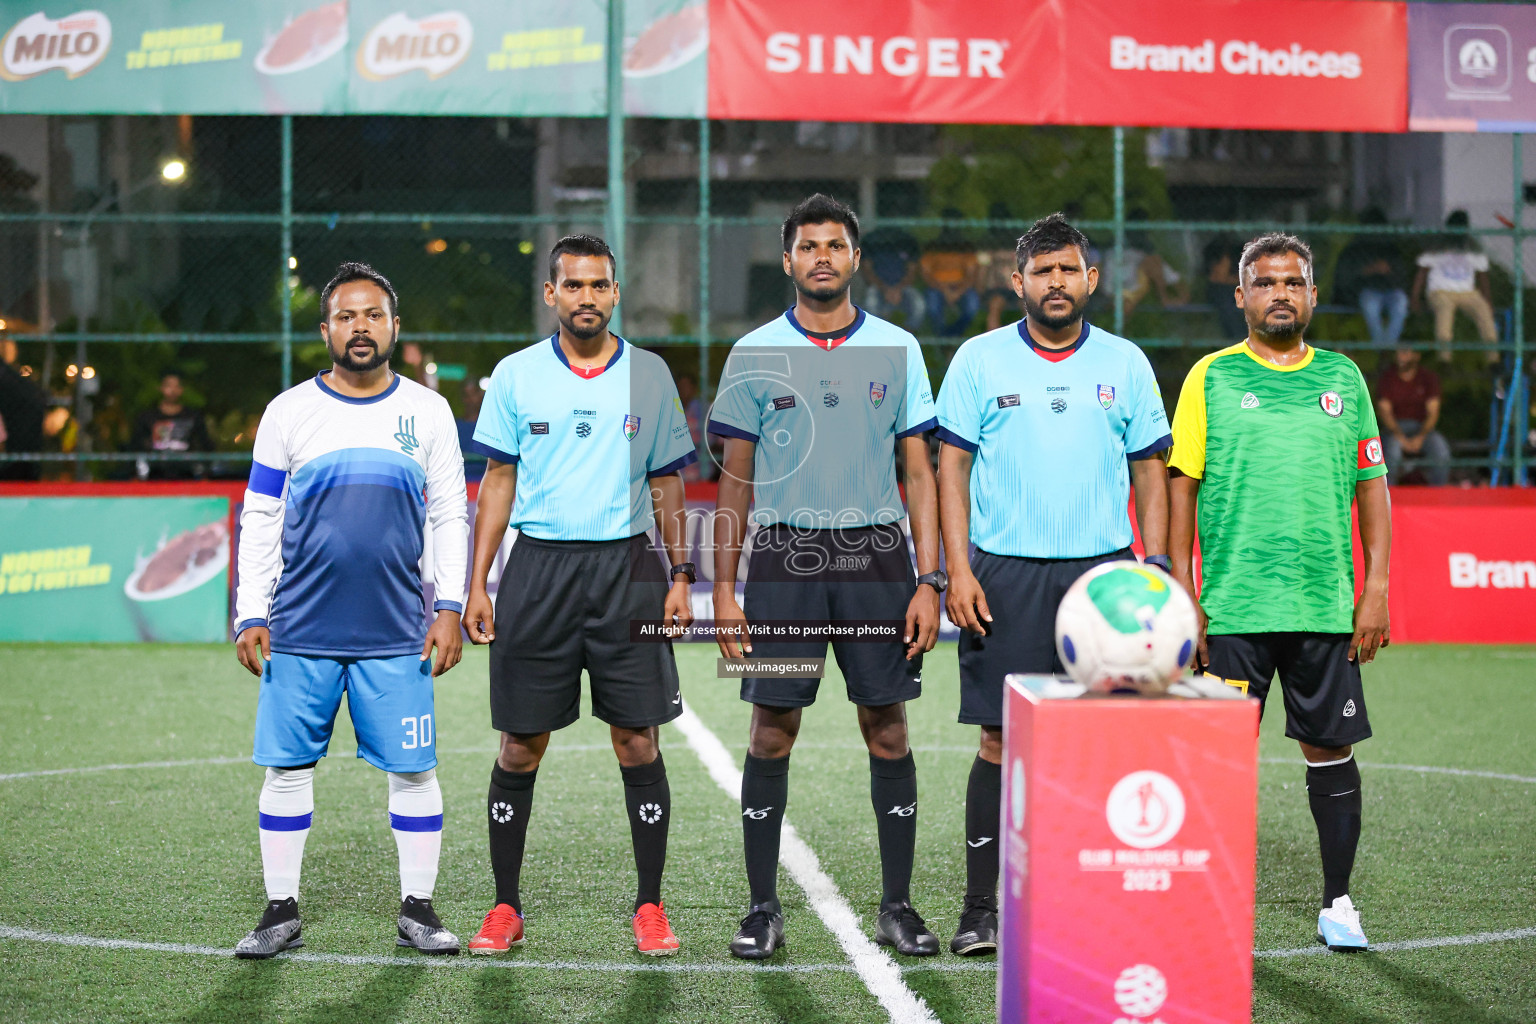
x,y
310,57
114,569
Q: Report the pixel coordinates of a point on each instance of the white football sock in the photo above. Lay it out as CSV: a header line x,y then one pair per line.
x,y
286,806
416,817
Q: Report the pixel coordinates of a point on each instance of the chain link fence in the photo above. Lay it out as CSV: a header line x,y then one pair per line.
x,y
134,246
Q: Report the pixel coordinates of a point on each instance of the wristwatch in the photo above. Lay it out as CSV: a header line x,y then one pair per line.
x,y
937,579
687,569
1161,561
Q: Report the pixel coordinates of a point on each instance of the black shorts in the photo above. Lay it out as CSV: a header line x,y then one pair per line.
x,y
1022,595
1324,700
823,575
565,606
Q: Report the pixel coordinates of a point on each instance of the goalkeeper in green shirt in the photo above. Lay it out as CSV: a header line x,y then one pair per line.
x,y
1273,440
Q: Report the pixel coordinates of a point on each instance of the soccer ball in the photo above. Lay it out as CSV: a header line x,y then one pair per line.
x,y
1124,626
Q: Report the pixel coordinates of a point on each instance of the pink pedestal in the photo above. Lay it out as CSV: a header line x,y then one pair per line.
x,y
1129,831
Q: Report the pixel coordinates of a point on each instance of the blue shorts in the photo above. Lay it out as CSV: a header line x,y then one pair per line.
x,y
390,700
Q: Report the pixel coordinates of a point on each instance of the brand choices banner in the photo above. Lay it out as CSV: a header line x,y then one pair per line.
x,y
1302,64
114,569
1473,67
1462,574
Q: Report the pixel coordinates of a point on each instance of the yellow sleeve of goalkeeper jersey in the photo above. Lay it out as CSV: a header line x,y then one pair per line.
x,y
1189,422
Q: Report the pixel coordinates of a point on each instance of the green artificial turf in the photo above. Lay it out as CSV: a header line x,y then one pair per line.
x,y
169,855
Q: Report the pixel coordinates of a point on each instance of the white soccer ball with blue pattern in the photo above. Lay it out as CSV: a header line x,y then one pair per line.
x,y
1124,626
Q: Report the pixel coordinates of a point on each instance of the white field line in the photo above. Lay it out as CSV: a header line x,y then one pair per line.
x,y
124,767
875,968
1423,769
1477,939
669,967
343,755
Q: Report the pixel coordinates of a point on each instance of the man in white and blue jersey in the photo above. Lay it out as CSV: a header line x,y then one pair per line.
x,y
585,437
1039,421
353,471
813,406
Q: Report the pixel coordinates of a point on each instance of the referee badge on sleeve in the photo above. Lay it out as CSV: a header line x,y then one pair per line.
x,y
631,427
1106,395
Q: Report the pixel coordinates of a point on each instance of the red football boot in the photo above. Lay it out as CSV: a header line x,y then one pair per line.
x,y
501,930
653,934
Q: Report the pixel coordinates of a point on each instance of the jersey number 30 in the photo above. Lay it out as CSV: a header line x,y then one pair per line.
x,y
418,732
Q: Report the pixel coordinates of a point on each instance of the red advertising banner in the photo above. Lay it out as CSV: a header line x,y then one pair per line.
x,y
1334,65
864,60
1463,566
1313,65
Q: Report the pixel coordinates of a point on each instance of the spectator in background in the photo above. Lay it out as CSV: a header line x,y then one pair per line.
x,y
1455,276
949,269
1408,406
890,266
1142,271
168,428
474,463
22,406
1371,274
696,410
994,272
1220,257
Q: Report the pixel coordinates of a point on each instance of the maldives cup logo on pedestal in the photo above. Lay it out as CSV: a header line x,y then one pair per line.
x,y
1145,809
1141,990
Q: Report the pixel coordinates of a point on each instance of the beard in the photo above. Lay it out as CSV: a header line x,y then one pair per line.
x,y
1281,331
829,291
1037,313
585,332
347,361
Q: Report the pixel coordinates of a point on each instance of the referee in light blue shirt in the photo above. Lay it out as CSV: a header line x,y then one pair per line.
x,y
813,406
585,436
1040,420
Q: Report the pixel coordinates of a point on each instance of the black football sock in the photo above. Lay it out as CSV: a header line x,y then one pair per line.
x,y
1334,792
648,797
507,810
764,791
893,791
983,809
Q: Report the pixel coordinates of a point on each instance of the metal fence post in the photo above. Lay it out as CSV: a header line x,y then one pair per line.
x,y
704,255
616,203
287,226
1517,393
1115,281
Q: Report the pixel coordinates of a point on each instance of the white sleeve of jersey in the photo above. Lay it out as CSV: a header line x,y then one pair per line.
x,y
260,558
447,512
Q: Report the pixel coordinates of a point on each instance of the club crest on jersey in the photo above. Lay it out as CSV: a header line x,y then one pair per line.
x,y
876,393
631,427
1332,404
1106,395
406,435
